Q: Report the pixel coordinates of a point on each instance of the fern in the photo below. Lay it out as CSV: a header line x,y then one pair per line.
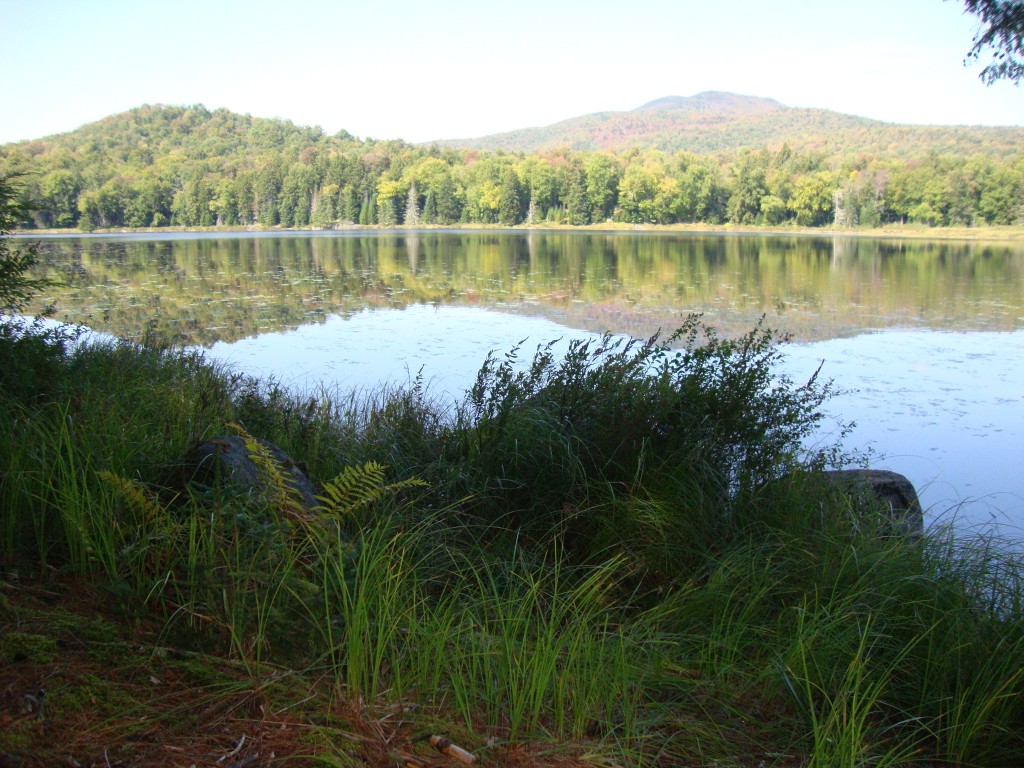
x,y
357,487
147,543
273,476
135,495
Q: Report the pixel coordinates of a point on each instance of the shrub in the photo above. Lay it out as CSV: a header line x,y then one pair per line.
x,y
707,424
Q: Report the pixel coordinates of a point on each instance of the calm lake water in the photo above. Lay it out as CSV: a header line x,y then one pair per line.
x,y
927,337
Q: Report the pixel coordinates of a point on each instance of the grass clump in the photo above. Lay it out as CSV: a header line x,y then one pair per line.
x,y
622,555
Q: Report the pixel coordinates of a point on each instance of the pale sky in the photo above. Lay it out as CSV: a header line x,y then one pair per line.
x,y
432,69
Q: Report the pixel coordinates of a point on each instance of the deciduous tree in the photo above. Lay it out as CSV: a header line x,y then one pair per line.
x,y
1001,33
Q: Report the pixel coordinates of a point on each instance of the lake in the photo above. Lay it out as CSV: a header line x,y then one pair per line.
x,y
927,337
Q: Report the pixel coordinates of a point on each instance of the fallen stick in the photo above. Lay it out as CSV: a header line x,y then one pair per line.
x,y
444,745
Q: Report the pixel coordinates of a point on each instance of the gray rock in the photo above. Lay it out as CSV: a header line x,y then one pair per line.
x,y
890,489
226,458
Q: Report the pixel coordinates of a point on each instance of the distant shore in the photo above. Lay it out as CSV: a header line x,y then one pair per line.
x,y
892,231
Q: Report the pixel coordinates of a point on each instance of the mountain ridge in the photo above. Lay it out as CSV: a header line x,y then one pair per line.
x,y
707,123
719,121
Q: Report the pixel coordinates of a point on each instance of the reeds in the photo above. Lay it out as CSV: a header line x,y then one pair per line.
x,y
593,550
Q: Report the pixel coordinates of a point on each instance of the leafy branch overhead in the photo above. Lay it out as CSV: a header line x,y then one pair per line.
x,y
1002,32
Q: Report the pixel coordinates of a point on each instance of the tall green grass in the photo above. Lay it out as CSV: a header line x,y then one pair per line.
x,y
624,548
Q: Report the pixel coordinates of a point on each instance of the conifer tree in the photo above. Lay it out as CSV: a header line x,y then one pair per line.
x,y
509,206
350,208
412,211
430,209
448,209
387,216
577,206
532,214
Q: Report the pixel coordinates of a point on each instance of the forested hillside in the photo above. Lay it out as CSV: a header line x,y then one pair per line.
x,y
191,167
719,122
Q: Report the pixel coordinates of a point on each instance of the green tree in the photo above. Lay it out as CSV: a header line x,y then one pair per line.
x,y
1002,33
60,197
637,191
510,207
389,192
324,209
532,212
429,215
773,209
412,207
577,205
449,206
749,185
350,207
16,287
603,173
813,198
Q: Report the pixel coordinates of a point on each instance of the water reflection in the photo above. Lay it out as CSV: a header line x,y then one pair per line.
x,y
942,408
942,398
200,290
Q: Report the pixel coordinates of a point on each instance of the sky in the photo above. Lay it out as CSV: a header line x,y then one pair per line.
x,y
435,69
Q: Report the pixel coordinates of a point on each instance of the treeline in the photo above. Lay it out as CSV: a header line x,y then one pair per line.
x,y
187,166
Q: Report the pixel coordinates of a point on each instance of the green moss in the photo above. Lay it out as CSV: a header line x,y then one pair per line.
x,y
88,692
21,647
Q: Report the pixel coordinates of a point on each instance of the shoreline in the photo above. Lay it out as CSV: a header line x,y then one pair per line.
x,y
987,233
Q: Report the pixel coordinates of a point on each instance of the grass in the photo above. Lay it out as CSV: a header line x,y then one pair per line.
x,y
620,556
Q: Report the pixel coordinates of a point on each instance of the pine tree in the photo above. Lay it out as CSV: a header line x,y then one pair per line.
x,y
577,206
509,206
448,209
387,214
412,211
532,214
350,208
430,209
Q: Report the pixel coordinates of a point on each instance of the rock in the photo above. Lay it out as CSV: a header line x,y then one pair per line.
x,y
227,457
871,486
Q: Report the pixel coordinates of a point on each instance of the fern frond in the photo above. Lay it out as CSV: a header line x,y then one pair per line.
x,y
134,494
359,486
272,475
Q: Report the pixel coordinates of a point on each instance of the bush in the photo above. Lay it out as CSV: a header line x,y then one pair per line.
x,y
707,424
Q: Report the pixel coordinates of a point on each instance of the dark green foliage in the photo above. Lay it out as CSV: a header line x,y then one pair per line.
x,y
510,209
16,287
430,208
577,204
35,357
710,423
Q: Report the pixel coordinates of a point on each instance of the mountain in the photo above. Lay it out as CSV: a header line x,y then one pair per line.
x,y
188,166
715,121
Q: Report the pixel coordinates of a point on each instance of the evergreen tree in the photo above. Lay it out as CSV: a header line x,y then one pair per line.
x,y
323,211
509,206
577,206
532,213
412,211
449,210
350,208
387,215
430,209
